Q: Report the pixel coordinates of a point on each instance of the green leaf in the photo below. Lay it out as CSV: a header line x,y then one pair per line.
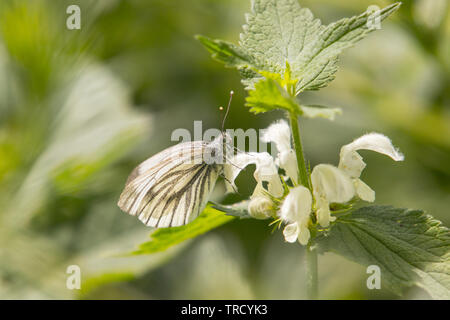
x,y
278,33
410,247
316,65
238,210
225,52
320,112
269,95
91,284
164,238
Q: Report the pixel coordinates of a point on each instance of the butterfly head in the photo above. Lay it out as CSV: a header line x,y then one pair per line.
x,y
218,150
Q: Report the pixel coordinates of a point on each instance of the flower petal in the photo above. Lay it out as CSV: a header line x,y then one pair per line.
x,y
332,184
323,213
260,208
363,191
287,160
267,171
297,205
260,205
291,232
235,165
351,162
303,234
280,133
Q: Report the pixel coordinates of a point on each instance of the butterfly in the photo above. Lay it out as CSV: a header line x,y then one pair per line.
x,y
172,187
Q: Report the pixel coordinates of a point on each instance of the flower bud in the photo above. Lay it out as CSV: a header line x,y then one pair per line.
x,y
260,208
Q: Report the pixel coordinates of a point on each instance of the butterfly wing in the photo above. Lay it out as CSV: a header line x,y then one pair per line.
x,y
171,188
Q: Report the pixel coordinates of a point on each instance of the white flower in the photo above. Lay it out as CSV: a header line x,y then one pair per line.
x,y
261,205
352,163
363,191
266,170
340,185
280,133
330,184
296,211
260,208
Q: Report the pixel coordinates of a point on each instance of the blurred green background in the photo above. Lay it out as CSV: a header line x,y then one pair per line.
x,y
79,109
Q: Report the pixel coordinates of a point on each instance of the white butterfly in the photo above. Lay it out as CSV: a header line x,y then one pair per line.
x,y
172,188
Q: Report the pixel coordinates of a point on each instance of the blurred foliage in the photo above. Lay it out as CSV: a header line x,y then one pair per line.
x,y
80,108
164,238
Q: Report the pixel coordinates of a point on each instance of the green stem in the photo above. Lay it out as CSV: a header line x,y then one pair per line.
x,y
311,273
311,254
302,172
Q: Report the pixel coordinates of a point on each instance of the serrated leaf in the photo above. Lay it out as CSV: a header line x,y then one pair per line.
x,y
225,52
269,95
281,32
320,112
276,32
164,238
238,210
249,78
410,247
317,64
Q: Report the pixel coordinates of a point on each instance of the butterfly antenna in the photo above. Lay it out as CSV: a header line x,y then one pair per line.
x,y
228,109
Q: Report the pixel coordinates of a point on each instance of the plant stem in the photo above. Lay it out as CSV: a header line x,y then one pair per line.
x,y
302,172
311,273
311,254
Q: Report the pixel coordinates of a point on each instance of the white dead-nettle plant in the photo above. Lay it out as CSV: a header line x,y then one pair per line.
x,y
323,208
